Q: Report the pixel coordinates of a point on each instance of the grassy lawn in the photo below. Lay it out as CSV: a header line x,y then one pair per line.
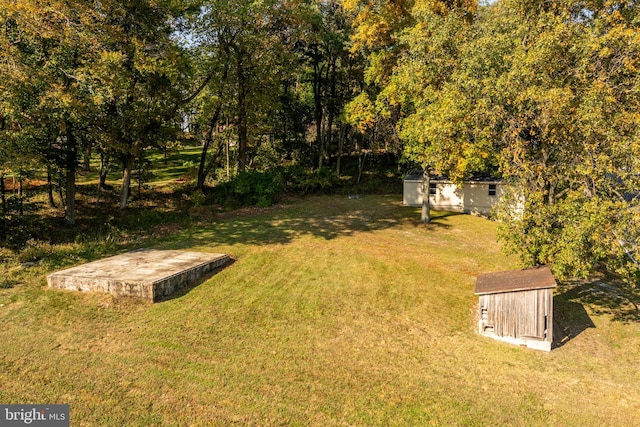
x,y
335,312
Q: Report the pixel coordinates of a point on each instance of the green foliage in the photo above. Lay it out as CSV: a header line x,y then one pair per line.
x,y
559,114
252,188
304,181
143,173
361,113
439,126
263,189
545,93
35,250
198,198
191,169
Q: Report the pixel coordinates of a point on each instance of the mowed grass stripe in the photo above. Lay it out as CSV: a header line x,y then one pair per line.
x,y
335,312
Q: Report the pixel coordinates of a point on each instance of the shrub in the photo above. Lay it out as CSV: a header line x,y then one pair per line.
x,y
252,188
264,188
198,198
6,256
304,181
6,283
35,250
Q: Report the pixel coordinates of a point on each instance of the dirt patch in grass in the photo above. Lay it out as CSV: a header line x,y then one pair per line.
x,y
13,185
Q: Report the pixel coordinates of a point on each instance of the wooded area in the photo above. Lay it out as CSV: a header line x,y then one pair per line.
x,y
544,94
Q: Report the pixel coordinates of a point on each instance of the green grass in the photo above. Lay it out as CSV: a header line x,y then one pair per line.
x,y
335,312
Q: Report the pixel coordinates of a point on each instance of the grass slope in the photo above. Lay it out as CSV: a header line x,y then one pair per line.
x,y
335,312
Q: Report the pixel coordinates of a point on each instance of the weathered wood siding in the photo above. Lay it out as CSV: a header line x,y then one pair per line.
x,y
524,315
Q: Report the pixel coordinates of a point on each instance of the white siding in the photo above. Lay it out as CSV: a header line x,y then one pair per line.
x,y
448,197
477,199
412,194
473,198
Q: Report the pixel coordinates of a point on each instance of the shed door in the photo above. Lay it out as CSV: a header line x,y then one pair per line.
x,y
520,314
532,315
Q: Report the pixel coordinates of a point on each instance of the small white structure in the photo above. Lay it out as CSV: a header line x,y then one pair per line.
x,y
477,196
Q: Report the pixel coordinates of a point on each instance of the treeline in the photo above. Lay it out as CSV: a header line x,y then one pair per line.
x,y
544,93
263,82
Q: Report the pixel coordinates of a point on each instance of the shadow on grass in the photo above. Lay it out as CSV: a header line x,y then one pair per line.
x,y
331,218
602,295
439,219
570,320
606,295
191,286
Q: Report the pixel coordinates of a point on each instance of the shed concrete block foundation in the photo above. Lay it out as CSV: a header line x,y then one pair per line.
x,y
149,274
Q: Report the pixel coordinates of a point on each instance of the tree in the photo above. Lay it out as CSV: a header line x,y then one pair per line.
x,y
45,83
241,47
545,93
323,49
140,76
558,96
376,38
414,50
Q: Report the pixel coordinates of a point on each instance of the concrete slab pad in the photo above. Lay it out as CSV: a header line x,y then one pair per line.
x,y
146,273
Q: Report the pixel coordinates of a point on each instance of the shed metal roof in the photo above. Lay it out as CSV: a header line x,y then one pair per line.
x,y
515,280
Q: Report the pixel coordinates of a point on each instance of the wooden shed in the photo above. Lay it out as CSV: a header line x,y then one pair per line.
x,y
517,306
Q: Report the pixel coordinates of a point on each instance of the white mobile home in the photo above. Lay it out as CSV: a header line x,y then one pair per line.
x,y
478,195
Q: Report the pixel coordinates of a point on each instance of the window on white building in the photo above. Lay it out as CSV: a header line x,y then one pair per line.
x,y
432,188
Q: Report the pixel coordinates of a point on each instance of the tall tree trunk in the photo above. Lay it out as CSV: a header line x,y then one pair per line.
x,y
203,170
331,106
140,179
202,165
361,159
329,135
319,138
341,137
425,214
214,158
242,113
283,118
228,149
61,179
126,181
70,196
104,170
3,195
52,202
102,175
317,99
20,199
70,177
87,158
